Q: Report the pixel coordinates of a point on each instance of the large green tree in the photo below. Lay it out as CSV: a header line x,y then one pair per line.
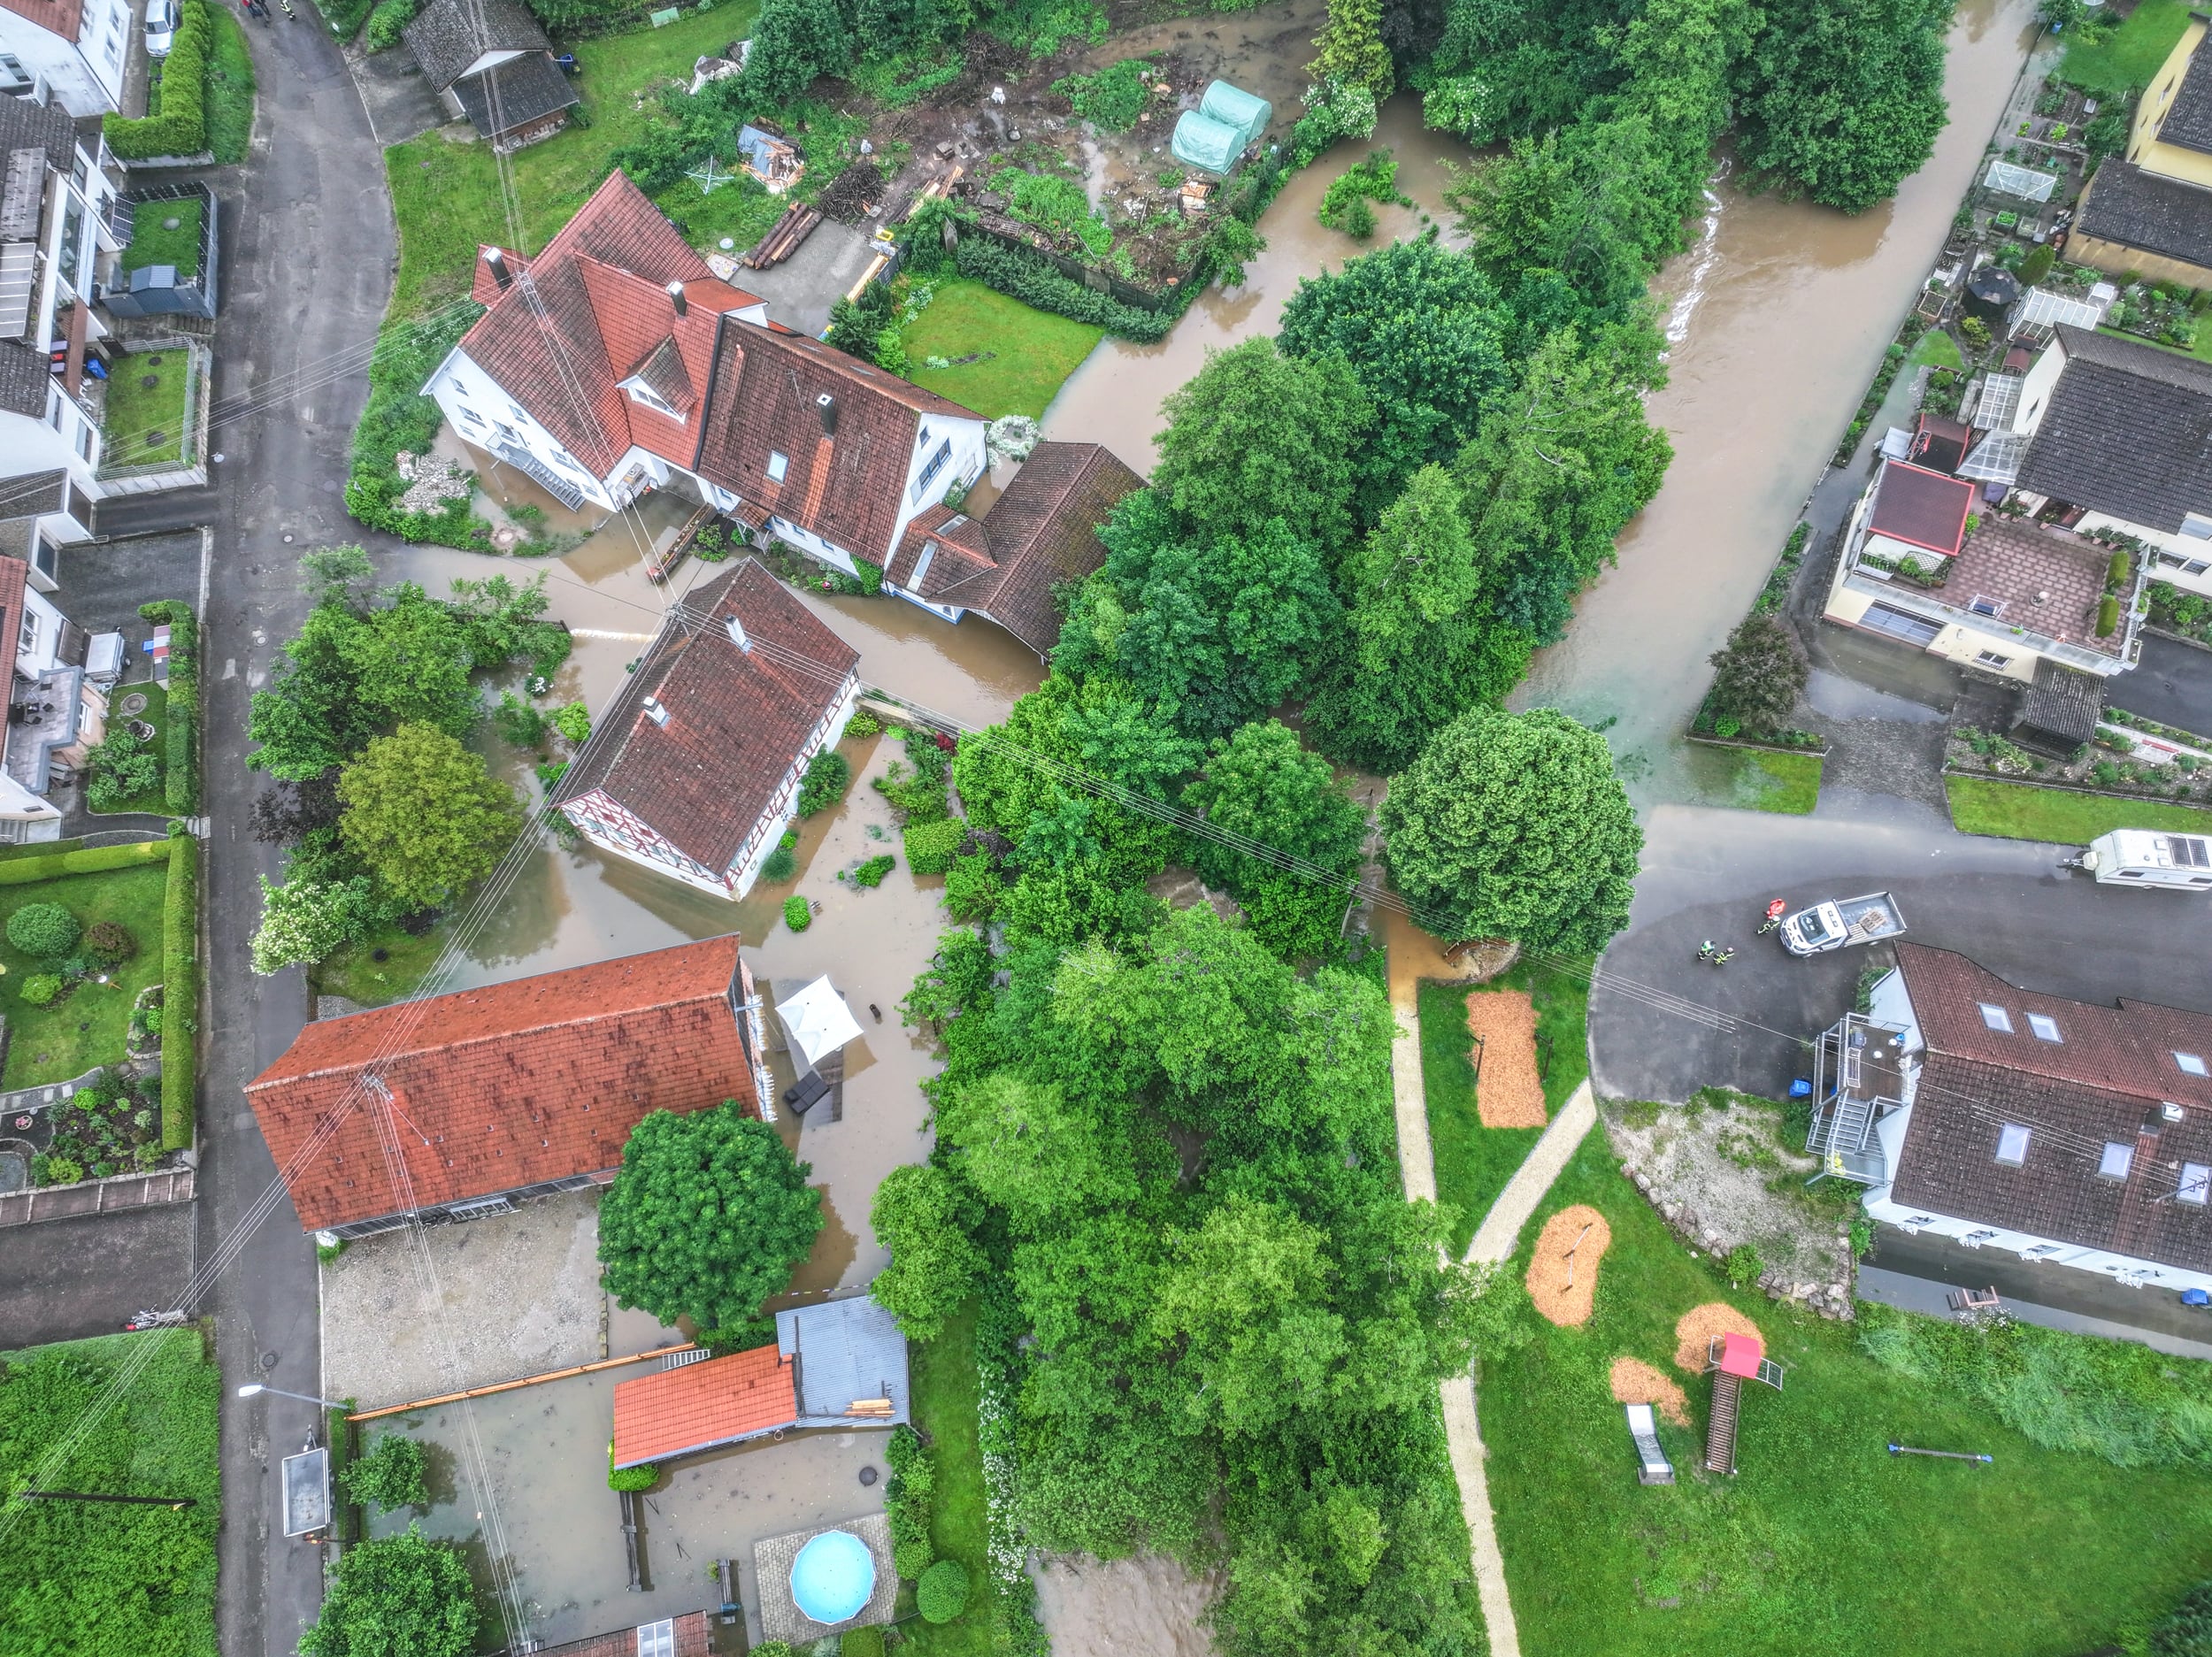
x,y
1422,330
1842,99
706,1219
1256,437
1759,677
395,1596
919,1214
1262,785
1514,825
424,814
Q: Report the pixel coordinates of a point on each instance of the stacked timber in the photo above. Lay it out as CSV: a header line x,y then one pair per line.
x,y
797,223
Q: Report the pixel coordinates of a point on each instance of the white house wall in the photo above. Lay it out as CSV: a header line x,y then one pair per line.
x,y
481,414
1976,1234
86,73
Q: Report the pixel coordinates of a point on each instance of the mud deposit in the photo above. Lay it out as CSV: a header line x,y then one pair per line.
x,y
1146,1607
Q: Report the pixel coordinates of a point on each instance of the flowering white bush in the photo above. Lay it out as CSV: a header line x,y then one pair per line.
x,y
305,920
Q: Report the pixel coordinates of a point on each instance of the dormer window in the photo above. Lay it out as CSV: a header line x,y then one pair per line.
x,y
779,464
2196,526
640,392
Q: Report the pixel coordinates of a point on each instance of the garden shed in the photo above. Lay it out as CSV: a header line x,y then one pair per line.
x,y
1226,123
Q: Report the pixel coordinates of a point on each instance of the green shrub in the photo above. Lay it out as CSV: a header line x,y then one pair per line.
x,y
50,1169
179,991
1026,277
942,1592
871,873
862,725
931,847
179,127
397,418
2186,1630
860,1642
1346,205
783,862
630,1479
972,887
906,1502
40,989
23,871
1055,205
1743,1266
1111,99
827,773
386,23
390,1476
2119,570
2107,615
45,930
775,1648
180,785
2037,265
796,913
109,943
870,575
119,770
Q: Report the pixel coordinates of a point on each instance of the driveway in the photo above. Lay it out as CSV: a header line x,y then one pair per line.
x,y
2172,683
66,1279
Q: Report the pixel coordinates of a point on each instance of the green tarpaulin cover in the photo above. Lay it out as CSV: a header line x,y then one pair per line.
x,y
1221,128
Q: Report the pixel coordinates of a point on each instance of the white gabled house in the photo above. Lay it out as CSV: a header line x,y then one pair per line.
x,y
76,49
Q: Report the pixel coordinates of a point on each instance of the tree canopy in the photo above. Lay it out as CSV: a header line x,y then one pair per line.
x,y
395,1596
1513,825
423,815
1760,676
706,1219
1261,783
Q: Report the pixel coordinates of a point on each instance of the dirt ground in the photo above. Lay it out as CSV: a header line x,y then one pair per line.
x,y
1696,1330
1508,1092
1562,1275
1146,1607
1636,1382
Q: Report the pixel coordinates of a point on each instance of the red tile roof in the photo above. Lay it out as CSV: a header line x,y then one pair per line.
x,y
849,487
513,1084
738,720
594,306
693,1638
1922,508
679,1411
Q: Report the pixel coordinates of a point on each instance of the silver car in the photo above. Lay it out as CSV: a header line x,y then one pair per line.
x,y
161,27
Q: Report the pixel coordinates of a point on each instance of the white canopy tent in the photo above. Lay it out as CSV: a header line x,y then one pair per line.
x,y
817,1021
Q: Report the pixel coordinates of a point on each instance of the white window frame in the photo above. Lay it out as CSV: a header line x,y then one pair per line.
x,y
2012,1144
2191,1063
1995,1018
2045,1028
1991,659
2118,1159
778,465
2196,1184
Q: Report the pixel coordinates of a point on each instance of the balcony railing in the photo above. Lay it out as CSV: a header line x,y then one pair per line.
x,y
1909,596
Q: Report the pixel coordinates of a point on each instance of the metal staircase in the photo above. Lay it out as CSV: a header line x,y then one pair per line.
x,y
1720,1431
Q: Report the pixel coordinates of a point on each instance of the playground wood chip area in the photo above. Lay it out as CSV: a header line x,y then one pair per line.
x,y
1696,1330
1509,1093
1562,1275
1636,1382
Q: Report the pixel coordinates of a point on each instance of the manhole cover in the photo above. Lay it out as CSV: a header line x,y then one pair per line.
x,y
132,705
155,360
147,382
171,223
867,1475
154,439
268,1361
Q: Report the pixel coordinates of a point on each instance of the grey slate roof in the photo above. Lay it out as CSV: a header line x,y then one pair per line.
x,y
447,36
2062,703
27,125
2128,432
846,1350
2148,211
23,376
527,89
2188,122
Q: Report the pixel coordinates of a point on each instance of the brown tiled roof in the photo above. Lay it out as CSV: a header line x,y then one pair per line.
x,y
737,718
847,488
601,306
693,1638
2103,1082
1921,508
2047,580
681,1411
536,1079
1038,535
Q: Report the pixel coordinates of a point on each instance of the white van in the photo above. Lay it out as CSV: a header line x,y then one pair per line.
x,y
2146,858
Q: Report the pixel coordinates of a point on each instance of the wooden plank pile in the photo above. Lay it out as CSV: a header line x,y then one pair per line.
x,y
797,223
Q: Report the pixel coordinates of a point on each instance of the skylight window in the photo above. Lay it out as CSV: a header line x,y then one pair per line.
x,y
778,463
2046,1028
2191,1063
2117,1160
1996,1017
2196,1184
2012,1145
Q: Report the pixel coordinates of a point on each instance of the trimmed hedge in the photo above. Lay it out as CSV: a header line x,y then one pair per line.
x,y
181,128
1035,282
181,989
22,871
37,849
931,847
181,779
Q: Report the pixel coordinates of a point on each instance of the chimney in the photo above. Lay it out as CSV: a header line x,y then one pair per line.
x,y
826,406
676,298
501,274
653,711
737,634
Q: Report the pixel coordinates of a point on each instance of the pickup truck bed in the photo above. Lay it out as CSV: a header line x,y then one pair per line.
x,y
1842,923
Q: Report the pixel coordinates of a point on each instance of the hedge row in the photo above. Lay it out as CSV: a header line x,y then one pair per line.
x,y
1026,277
181,762
397,418
180,990
181,128
22,871
38,848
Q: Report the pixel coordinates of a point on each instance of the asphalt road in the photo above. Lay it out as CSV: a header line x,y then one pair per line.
x,y
310,245
2172,683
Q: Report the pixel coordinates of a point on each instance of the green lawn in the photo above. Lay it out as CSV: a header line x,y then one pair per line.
x,y
1824,1542
145,424
739,213
1938,350
354,971
2124,61
446,194
229,89
156,715
153,244
946,1394
85,1028
1788,783
104,1579
2012,811
1032,351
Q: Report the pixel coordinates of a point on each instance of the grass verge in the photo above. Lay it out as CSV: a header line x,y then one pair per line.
x,y
947,1395
1787,783
156,715
102,1579
2125,59
1824,1540
181,994
2015,811
86,1027
380,969
144,423
230,86
1472,1161
1031,353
